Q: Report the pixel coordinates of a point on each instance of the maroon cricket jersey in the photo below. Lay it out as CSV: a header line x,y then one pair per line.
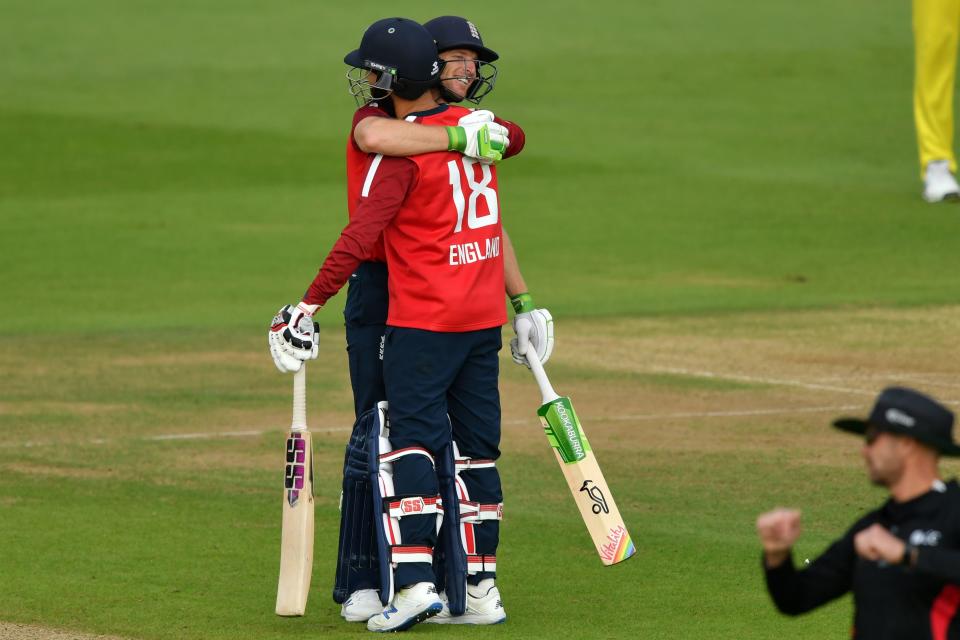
x,y
358,165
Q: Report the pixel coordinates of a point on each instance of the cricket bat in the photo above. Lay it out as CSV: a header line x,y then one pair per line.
x,y
580,468
296,547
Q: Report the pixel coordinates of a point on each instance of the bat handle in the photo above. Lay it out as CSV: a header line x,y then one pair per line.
x,y
300,399
546,390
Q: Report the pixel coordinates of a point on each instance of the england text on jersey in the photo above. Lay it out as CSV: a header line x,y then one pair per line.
x,y
472,252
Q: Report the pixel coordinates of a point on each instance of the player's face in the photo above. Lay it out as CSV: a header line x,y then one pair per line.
x,y
883,453
460,70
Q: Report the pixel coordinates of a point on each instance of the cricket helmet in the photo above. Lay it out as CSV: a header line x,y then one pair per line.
x,y
454,32
401,54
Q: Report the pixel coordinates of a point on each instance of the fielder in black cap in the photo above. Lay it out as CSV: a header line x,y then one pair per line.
x,y
901,561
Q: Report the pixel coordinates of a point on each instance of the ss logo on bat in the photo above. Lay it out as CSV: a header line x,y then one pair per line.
x,y
594,493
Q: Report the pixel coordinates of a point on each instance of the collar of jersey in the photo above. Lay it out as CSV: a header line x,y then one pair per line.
x,y
440,108
926,503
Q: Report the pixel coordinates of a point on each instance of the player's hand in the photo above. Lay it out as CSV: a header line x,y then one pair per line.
x,y
876,543
778,530
477,136
534,330
293,338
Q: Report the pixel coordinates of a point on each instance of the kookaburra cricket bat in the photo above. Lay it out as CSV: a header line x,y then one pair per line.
x,y
580,468
296,547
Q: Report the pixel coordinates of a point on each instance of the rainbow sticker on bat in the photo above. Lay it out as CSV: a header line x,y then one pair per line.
x,y
618,547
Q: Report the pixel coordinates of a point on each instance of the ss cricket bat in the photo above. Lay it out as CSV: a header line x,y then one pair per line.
x,y
580,468
296,547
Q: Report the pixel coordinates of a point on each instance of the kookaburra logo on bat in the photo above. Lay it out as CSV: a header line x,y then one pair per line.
x,y
594,493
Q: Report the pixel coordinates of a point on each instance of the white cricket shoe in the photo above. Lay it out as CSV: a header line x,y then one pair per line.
x,y
484,606
938,183
362,605
411,605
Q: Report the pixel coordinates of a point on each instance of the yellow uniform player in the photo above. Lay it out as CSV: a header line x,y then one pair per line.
x,y
936,27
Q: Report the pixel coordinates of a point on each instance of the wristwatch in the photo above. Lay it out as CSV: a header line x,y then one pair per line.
x,y
909,558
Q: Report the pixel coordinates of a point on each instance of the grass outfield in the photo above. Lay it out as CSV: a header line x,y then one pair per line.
x,y
718,202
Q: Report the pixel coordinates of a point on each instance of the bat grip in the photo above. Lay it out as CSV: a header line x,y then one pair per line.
x,y
546,390
300,399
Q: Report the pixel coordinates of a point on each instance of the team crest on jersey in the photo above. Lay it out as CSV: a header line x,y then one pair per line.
x,y
929,538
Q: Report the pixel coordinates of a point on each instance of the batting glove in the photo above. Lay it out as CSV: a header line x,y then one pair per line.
x,y
534,329
479,137
293,338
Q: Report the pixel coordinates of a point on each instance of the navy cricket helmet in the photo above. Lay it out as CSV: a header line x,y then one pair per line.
x,y
454,32
402,55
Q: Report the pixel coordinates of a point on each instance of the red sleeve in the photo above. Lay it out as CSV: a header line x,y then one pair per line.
x,y
364,112
391,181
517,137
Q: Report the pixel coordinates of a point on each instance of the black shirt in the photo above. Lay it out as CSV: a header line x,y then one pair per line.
x,y
891,602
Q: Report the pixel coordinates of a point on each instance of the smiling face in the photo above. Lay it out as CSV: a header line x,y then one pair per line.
x,y
459,71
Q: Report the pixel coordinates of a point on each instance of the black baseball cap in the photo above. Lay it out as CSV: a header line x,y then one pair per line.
x,y
907,412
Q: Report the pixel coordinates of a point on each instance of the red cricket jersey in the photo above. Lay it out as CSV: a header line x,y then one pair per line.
x,y
444,247
446,270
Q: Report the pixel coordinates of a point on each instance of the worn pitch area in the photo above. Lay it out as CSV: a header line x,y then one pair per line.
x,y
139,481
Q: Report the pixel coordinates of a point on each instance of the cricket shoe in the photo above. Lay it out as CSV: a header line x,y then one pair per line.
x,y
362,605
938,183
484,606
411,605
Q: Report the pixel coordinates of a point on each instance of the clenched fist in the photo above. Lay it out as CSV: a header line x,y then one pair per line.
x,y
778,530
876,543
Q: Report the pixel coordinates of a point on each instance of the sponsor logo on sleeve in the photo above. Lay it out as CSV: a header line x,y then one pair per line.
x,y
928,538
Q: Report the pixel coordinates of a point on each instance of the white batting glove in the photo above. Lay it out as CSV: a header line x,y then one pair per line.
x,y
293,338
534,330
477,136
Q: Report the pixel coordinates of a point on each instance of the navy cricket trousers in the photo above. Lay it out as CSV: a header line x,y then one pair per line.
x,y
365,319
428,376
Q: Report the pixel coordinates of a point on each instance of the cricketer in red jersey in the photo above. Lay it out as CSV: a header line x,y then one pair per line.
x,y
442,361
440,217
444,246
461,38
357,578
358,160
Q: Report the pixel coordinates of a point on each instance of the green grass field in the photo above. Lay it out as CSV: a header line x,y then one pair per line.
x,y
719,202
